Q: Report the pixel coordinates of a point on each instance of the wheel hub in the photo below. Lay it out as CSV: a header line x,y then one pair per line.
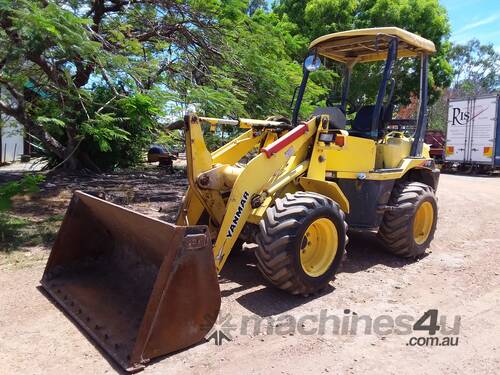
x,y
422,224
318,247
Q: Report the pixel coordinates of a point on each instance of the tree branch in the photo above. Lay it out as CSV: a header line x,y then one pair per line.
x,y
12,90
9,110
52,72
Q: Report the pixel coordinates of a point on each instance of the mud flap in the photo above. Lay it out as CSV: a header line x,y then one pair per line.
x,y
139,287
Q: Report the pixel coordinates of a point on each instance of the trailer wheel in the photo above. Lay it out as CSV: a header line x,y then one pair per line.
x,y
408,230
301,242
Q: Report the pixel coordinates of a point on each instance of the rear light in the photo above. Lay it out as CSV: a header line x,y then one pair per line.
x,y
488,151
339,140
450,150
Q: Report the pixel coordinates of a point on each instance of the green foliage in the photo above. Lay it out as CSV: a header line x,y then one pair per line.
x,y
172,140
28,184
423,17
122,131
90,80
103,130
476,67
258,73
315,18
438,114
428,18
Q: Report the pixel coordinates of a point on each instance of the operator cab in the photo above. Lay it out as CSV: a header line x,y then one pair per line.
x,y
361,46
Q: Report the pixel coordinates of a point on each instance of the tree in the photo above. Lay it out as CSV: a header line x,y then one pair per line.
x,y
424,17
315,18
476,71
256,74
70,68
438,112
476,68
254,5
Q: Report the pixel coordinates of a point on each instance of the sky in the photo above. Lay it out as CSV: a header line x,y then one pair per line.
x,y
478,19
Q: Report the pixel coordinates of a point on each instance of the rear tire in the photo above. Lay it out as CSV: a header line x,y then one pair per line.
x,y
301,242
408,230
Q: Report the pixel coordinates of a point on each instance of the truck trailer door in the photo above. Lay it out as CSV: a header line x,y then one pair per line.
x,y
482,130
457,129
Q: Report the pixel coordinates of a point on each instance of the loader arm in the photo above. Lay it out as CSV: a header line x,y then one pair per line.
x,y
192,207
251,181
200,161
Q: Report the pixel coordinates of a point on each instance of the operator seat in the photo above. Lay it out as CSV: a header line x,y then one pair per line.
x,y
361,126
337,117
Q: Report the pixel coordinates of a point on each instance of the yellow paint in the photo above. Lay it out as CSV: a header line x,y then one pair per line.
x,y
258,175
191,209
404,167
357,155
235,149
199,160
392,150
288,176
426,151
318,247
256,215
344,46
297,166
328,189
270,138
317,164
422,223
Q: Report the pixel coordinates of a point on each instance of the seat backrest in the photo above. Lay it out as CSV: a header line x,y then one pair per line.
x,y
363,120
337,117
362,123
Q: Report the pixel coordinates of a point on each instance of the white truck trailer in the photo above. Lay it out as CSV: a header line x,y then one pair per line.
x,y
473,134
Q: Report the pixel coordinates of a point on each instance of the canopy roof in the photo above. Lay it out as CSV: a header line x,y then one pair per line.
x,y
365,45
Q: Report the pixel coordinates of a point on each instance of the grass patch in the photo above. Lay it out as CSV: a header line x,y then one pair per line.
x,y
19,232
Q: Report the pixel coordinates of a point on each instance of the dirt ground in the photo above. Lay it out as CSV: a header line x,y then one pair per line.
x,y
460,277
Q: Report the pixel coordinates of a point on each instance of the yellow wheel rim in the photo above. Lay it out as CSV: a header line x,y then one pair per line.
x,y
318,247
422,223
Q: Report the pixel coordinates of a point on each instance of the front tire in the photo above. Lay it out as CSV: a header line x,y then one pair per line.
x,y
301,242
408,230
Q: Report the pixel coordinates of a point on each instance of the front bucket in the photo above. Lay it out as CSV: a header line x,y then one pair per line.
x,y
140,287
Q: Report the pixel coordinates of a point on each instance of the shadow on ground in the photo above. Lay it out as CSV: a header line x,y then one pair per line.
x,y
363,252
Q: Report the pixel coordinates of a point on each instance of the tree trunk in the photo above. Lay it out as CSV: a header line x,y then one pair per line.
x,y
71,152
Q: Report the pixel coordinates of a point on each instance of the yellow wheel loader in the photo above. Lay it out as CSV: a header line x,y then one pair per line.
x,y
142,288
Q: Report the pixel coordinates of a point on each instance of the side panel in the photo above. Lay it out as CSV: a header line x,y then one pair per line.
x,y
471,130
357,155
497,138
366,198
458,112
482,133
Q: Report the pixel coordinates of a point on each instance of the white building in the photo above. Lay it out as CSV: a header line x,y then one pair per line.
x,y
11,140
